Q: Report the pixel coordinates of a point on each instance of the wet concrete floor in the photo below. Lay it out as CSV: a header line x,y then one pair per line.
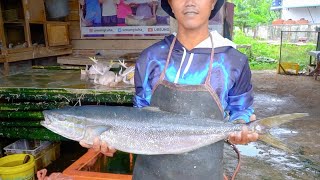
x,y
279,94
274,94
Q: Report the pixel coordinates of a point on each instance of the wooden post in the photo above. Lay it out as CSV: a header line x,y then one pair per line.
x,y
6,68
27,24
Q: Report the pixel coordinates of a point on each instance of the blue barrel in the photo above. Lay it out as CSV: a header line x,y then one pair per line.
x,y
57,8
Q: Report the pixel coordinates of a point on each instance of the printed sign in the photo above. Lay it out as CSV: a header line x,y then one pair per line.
x,y
100,18
123,17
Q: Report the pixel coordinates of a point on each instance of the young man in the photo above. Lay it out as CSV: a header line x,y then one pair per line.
x,y
194,72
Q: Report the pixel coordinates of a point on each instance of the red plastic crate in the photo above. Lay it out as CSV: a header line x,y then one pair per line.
x,y
79,172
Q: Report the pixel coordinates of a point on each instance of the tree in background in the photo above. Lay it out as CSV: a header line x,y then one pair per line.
x,y
250,13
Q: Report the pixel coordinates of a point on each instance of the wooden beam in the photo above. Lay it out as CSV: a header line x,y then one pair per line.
x,y
38,53
113,44
2,58
84,59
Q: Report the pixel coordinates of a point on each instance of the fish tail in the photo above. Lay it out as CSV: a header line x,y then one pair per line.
x,y
269,139
274,121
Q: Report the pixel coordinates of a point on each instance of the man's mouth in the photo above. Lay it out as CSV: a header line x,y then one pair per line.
x,y
190,12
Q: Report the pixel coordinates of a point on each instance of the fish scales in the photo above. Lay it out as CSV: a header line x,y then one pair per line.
x,y
141,130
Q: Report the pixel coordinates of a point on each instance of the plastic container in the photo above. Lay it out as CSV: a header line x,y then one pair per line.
x,y
24,146
44,152
47,156
288,67
12,167
57,8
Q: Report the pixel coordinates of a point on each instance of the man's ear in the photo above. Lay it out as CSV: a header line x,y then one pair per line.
x,y
213,4
169,2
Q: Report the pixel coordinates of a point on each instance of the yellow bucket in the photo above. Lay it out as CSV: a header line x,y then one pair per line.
x,y
12,167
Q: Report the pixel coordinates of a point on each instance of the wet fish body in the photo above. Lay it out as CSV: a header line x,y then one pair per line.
x,y
146,130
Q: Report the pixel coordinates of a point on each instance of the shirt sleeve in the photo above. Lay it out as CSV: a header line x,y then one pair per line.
x,y
143,89
240,97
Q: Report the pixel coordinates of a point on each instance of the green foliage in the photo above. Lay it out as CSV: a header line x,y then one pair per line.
x,y
290,52
250,13
258,49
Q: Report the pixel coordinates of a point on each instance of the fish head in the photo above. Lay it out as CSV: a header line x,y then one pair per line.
x,y
68,126
66,123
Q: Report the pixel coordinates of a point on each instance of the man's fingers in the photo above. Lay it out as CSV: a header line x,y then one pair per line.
x,y
96,144
244,135
232,137
41,174
83,144
253,117
238,137
104,148
107,150
253,137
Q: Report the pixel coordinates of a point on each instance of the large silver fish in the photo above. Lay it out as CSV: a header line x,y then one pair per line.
x,y
149,130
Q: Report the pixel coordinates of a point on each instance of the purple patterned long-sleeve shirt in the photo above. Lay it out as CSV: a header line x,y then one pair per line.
x,y
230,77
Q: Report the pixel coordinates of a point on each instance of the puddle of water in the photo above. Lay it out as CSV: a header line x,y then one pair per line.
x,y
249,150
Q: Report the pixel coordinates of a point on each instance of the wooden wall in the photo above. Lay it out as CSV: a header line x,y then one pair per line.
x,y
112,46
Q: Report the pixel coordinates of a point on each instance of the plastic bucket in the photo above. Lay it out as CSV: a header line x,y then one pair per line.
x,y
11,167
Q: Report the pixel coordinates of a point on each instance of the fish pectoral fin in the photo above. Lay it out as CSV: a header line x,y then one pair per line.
x,y
92,132
269,139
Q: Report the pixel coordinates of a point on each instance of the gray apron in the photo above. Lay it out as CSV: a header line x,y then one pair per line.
x,y
195,100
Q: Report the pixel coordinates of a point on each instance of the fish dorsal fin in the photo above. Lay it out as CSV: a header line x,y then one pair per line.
x,y
274,121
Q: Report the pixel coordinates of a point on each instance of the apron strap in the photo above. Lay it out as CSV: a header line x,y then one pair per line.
x,y
236,171
211,61
168,59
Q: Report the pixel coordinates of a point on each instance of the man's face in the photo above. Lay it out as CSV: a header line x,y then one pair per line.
x,y
192,14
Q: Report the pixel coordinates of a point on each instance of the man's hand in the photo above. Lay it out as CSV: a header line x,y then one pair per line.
x,y
41,175
245,136
100,146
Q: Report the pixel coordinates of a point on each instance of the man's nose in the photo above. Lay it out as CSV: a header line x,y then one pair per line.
x,y
190,3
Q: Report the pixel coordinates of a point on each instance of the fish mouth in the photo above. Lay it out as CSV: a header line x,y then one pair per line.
x,y
61,125
48,118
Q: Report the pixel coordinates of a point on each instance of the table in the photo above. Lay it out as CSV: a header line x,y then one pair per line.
x,y
316,63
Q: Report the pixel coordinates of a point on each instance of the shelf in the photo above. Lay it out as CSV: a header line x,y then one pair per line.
x,y
19,50
26,34
37,34
37,52
12,10
14,22
14,34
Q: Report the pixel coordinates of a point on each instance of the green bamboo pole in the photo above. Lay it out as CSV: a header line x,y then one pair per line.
x,y
20,124
31,106
68,95
27,115
29,133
